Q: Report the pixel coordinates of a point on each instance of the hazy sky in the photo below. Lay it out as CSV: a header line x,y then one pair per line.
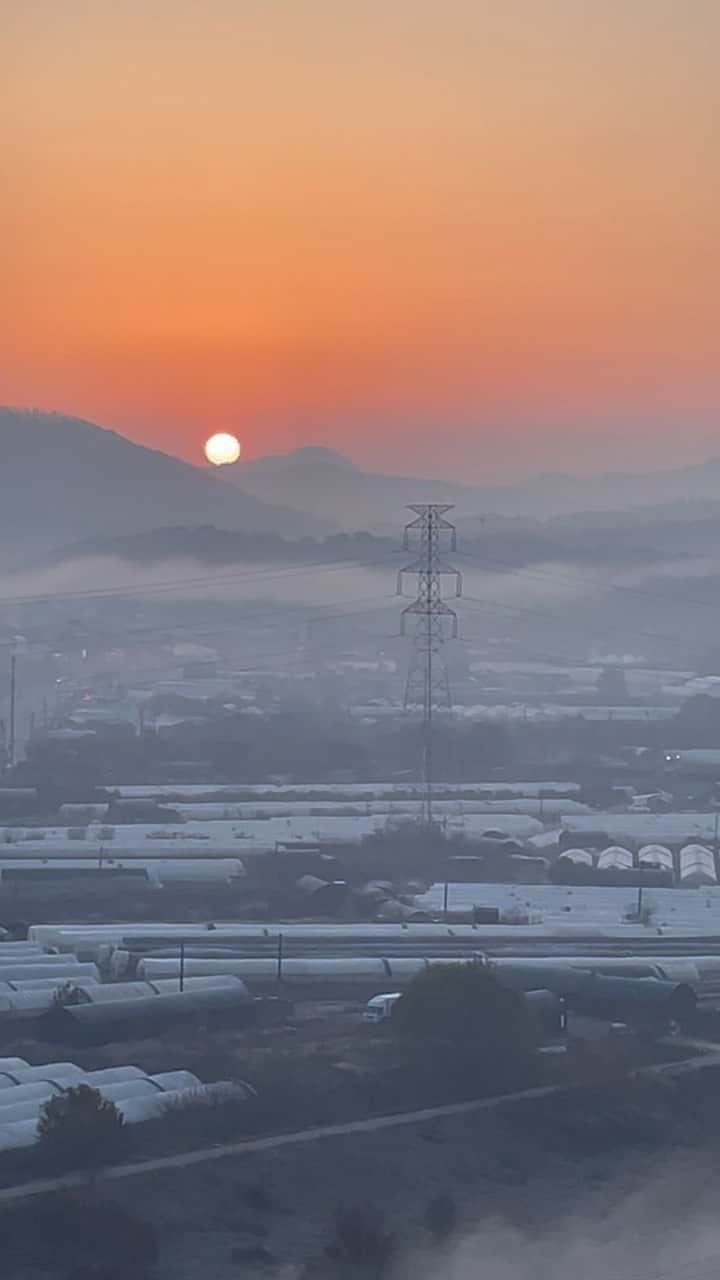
x,y
476,234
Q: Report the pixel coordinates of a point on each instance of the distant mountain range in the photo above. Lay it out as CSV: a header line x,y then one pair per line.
x,y
330,485
63,480
65,483
326,484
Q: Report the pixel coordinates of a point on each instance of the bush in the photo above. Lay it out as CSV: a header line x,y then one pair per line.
x,y
362,1239
467,1006
441,1217
80,1128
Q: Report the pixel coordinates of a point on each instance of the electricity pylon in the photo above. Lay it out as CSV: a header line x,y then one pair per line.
x,y
428,684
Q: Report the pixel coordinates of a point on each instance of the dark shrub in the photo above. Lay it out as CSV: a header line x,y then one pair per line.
x,y
441,1217
362,1238
78,1128
467,1005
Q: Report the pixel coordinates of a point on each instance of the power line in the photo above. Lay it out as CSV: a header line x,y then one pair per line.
x,y
576,623
604,584
174,584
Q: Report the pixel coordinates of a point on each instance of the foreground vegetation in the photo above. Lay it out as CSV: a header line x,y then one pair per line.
x,y
607,1158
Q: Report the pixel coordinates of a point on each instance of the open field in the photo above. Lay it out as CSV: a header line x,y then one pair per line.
x,y
614,1179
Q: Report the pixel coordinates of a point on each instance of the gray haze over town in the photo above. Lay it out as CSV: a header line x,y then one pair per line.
x,y
359,857
359,640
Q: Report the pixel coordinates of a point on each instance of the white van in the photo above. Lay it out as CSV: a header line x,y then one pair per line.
x,y
381,1007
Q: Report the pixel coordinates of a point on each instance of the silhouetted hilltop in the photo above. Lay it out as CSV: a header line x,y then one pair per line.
x,y
210,545
63,479
319,481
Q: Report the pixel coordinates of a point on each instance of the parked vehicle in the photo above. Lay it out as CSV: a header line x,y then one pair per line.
x,y
379,1008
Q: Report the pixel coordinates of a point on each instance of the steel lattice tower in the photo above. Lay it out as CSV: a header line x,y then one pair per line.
x,y
428,684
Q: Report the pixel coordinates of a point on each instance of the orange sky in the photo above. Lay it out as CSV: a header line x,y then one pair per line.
x,y
429,232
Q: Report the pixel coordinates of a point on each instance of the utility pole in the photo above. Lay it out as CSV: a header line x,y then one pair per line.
x,y
428,684
13,684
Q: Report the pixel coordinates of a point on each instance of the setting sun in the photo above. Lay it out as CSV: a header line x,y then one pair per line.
x,y
222,448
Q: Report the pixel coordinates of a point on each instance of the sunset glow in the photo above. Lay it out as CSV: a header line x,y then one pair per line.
x,y
488,233
222,449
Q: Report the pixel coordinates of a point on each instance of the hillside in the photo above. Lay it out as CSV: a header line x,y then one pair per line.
x,y
207,544
63,480
613,541
323,482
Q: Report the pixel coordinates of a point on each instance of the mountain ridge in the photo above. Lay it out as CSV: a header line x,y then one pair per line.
x,y
332,486
63,479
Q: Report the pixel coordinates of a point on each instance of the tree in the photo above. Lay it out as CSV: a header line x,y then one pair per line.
x,y
698,720
612,686
78,1127
465,1007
